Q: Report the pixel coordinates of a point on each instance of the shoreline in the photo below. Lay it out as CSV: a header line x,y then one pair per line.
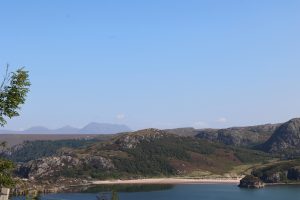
x,y
168,181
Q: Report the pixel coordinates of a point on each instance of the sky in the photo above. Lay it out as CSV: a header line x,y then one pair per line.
x,y
154,63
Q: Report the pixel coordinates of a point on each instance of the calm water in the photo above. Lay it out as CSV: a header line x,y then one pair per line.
x,y
185,192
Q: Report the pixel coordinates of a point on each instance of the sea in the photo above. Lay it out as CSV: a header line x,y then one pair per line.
x,y
178,192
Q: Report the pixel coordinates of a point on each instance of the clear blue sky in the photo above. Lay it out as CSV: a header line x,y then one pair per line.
x,y
154,63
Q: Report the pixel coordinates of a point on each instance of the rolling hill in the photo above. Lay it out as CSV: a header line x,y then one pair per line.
x,y
145,153
163,153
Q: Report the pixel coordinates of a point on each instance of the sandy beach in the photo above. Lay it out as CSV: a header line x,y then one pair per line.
x,y
169,181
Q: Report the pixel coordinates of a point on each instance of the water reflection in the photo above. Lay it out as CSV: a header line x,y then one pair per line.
x,y
180,192
126,188
102,192
110,192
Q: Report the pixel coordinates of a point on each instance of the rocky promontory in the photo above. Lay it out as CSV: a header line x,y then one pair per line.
x,y
251,181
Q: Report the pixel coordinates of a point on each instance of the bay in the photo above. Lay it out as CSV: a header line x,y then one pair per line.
x,y
183,192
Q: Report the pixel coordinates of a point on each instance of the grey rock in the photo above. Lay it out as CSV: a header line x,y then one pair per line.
x,y
239,136
251,182
285,139
49,166
131,140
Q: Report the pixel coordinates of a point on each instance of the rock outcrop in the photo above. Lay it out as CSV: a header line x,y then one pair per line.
x,y
285,171
55,165
239,136
131,140
252,182
294,173
286,139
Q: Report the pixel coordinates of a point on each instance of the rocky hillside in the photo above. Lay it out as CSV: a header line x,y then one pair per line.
x,y
279,172
57,166
153,153
286,139
144,153
239,136
30,150
183,131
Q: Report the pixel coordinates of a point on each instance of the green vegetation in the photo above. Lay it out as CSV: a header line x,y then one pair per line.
x,y
127,188
33,198
168,156
6,168
285,171
149,153
32,150
251,156
13,91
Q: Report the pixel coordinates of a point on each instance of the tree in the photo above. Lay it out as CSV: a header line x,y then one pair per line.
x,y
13,91
6,168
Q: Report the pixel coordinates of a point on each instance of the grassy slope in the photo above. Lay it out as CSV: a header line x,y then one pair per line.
x,y
169,156
31,150
17,139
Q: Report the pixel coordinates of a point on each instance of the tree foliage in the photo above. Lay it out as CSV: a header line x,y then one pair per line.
x,y
13,91
6,168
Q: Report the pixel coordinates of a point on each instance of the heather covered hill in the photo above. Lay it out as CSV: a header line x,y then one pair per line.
x,y
30,150
145,153
18,139
160,153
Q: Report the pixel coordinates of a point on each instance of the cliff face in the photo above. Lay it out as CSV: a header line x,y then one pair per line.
x,y
251,181
50,167
239,136
286,138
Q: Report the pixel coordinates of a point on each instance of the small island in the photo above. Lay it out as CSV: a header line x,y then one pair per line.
x,y
251,181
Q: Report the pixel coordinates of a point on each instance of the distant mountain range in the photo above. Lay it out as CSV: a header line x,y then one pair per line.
x,y
91,128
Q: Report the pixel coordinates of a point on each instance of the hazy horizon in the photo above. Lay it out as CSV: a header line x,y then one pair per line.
x,y
175,127
158,64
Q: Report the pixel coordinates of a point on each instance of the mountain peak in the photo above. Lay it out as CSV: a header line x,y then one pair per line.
x,y
285,138
294,120
36,129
